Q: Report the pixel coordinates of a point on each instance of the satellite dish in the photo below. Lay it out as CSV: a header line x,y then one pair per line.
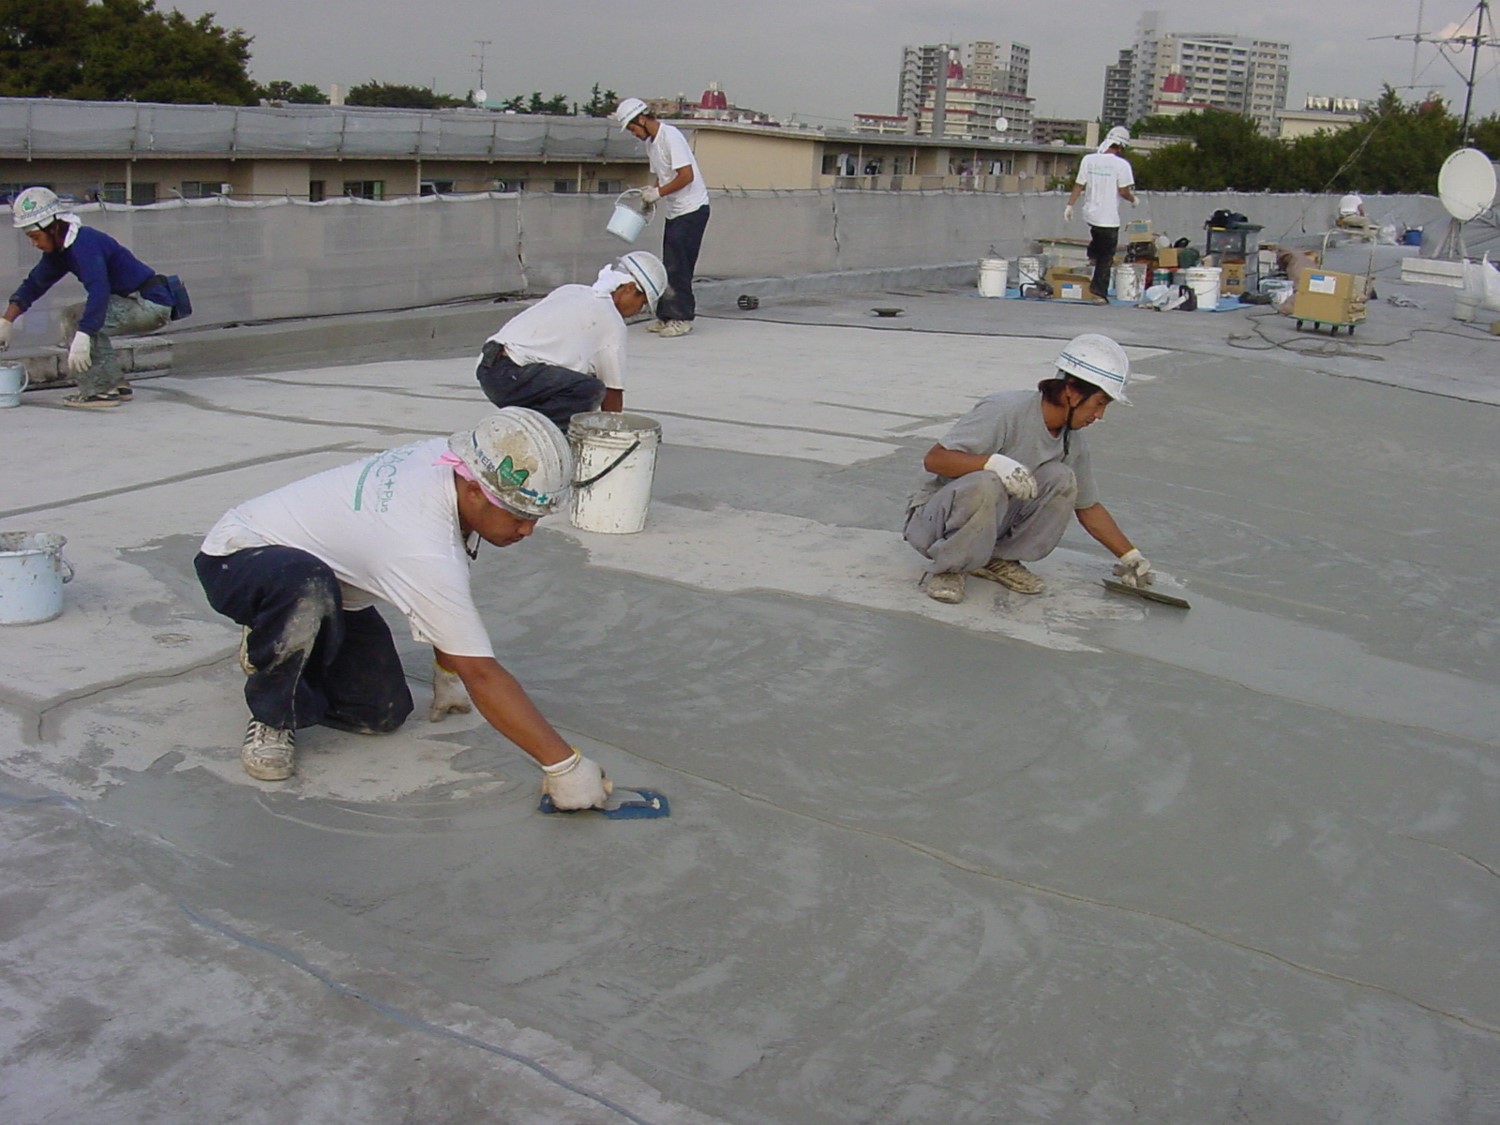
x,y
1003,125
1466,184
480,97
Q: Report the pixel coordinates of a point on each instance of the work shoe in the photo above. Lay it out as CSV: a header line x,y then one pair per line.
x,y
1012,575
1095,299
656,326
124,392
675,328
267,752
92,402
946,587
245,665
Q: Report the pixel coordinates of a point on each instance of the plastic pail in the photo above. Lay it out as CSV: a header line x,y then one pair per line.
x,y
1128,281
628,221
32,573
13,380
1204,282
615,457
992,275
1029,271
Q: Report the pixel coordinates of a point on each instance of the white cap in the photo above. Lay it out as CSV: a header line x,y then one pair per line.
x,y
628,110
1119,135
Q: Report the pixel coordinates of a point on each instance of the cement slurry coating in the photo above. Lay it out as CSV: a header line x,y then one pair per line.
x,y
1066,858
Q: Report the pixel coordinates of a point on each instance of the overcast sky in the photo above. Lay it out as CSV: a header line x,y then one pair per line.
x,y
822,60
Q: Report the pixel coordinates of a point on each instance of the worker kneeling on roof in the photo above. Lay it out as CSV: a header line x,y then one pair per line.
x,y
1009,472
300,567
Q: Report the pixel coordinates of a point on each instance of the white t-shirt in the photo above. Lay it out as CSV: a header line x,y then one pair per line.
x,y
388,528
1102,175
667,152
1011,422
574,326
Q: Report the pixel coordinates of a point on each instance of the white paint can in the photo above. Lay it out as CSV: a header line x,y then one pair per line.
x,y
992,276
628,221
1204,282
32,574
13,380
1128,281
1029,271
615,462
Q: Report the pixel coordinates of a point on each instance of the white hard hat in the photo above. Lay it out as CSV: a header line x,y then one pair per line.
x,y
648,273
520,458
36,207
628,110
1119,135
1097,360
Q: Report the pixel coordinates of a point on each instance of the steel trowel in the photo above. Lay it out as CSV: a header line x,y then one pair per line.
x,y
1145,592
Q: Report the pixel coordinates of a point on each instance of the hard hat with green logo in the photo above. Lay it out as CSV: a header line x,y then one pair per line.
x,y
519,458
36,207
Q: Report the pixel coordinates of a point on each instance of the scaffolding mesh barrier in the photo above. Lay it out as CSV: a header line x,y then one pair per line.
x,y
251,262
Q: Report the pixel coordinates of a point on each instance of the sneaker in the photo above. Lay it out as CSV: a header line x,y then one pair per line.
x,y
656,326
267,752
673,328
92,402
1095,299
245,665
945,587
1012,575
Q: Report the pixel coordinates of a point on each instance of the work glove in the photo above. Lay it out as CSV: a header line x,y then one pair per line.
x,y
5,327
448,694
1134,570
650,194
80,353
1068,213
1015,477
576,783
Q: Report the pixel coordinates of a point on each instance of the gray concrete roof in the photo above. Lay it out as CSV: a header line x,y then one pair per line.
x,y
1066,858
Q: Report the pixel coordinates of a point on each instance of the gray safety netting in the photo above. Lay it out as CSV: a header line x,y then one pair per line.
x,y
248,262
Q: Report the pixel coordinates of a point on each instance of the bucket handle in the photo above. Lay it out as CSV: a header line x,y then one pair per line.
x,y
68,569
611,467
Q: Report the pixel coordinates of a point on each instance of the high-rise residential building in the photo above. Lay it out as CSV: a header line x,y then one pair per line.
x,y
1235,73
1116,107
969,87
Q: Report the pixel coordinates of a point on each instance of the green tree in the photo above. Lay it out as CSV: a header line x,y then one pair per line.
x,y
396,96
600,105
283,91
120,50
555,106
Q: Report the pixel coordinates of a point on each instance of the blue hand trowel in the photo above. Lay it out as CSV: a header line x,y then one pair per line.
x,y
648,806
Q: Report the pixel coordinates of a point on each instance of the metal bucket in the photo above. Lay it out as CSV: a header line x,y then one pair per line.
x,y
32,574
13,380
1030,270
615,456
628,221
1128,282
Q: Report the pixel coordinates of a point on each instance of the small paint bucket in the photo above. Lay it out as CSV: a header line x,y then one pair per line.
x,y
615,458
628,221
13,380
992,276
1204,282
32,574
1128,281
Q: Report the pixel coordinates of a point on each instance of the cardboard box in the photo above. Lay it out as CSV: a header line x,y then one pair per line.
x,y
1329,298
1138,230
1069,284
1232,278
1166,257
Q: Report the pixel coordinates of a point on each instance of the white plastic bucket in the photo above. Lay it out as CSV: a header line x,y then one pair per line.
x,y
32,573
1128,281
628,221
1029,271
13,380
615,461
1204,282
992,275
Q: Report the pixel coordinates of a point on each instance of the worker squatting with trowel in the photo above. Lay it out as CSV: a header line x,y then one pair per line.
x,y
300,566
1009,472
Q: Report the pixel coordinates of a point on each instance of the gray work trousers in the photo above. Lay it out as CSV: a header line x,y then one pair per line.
x,y
971,520
125,316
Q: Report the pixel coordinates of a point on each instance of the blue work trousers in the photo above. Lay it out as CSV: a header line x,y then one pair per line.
x,y
680,243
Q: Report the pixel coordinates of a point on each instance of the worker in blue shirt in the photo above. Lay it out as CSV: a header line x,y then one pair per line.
x,y
125,296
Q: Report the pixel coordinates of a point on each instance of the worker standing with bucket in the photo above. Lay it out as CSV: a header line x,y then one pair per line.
x,y
301,567
684,197
566,354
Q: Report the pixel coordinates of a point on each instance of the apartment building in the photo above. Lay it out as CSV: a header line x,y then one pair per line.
x,y
966,90
1234,73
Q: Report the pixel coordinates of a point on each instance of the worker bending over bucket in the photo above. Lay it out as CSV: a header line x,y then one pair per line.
x,y
300,567
566,354
1008,473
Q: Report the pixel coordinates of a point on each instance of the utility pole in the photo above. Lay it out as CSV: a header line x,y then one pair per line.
x,y
482,44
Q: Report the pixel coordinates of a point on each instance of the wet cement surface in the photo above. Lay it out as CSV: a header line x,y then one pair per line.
x,y
1065,858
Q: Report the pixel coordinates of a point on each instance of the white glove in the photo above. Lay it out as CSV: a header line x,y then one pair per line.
x,y
80,353
1068,213
577,783
1016,478
5,327
650,194
1134,570
448,694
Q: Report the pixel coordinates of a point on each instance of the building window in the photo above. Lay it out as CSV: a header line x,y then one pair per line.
x,y
365,189
437,187
113,193
564,187
142,194
317,191
610,187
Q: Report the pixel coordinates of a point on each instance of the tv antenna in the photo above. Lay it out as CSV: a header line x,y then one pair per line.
x,y
480,95
1475,33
